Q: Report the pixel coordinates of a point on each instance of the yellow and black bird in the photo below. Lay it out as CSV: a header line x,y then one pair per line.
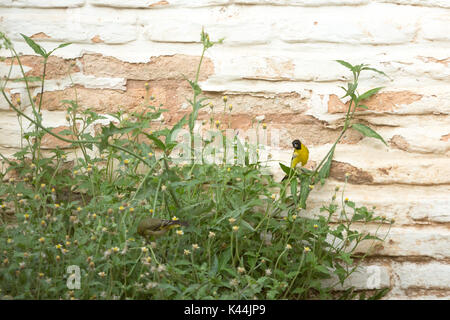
x,y
154,227
300,155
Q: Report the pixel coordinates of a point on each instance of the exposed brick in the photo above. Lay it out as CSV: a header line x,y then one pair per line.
x,y
97,39
276,65
49,142
56,67
399,142
335,105
260,103
312,132
163,67
357,176
170,93
381,102
40,35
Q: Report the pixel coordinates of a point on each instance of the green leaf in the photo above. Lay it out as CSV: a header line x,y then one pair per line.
x,y
368,132
63,45
60,46
214,267
246,225
362,106
157,141
375,70
304,191
345,64
369,93
37,48
294,184
195,87
324,172
289,171
380,294
322,269
170,139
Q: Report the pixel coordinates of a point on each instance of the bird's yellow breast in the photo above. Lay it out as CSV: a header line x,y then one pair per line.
x,y
300,156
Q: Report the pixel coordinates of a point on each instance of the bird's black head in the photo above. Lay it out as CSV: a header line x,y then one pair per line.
x,y
297,144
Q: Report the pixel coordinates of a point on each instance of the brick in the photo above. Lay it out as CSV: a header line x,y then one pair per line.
x,y
56,66
185,31
308,3
252,25
42,4
9,126
277,68
421,294
66,27
153,4
16,73
425,3
433,275
433,65
173,67
368,277
408,205
399,142
434,211
373,165
423,142
258,103
49,142
381,102
170,93
313,132
357,176
10,133
394,166
423,241
4,105
366,26
436,28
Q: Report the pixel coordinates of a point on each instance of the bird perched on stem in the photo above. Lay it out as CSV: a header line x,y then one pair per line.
x,y
154,227
300,155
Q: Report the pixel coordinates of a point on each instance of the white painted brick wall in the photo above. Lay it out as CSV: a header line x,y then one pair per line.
x,y
290,46
42,4
432,275
363,278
